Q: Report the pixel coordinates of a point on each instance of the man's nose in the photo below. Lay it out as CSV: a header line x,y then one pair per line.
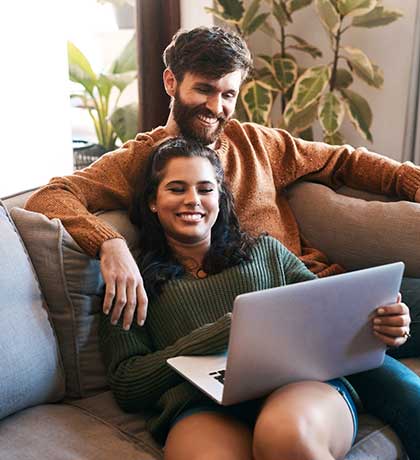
x,y
215,104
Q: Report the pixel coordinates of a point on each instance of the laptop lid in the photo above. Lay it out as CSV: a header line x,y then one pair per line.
x,y
315,330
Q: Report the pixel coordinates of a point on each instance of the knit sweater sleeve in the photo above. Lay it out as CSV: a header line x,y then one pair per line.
x,y
138,374
294,269
105,185
292,159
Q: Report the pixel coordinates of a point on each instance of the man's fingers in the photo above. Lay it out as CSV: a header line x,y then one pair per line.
x,y
120,301
142,302
109,297
130,306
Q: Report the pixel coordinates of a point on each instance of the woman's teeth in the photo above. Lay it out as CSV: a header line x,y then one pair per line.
x,y
191,217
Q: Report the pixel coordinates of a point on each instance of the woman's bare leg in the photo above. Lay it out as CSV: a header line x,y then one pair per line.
x,y
209,436
303,421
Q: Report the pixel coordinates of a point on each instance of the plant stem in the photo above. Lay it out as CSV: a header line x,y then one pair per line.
x,y
283,101
336,55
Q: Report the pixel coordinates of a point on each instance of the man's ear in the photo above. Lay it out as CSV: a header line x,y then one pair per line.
x,y
169,82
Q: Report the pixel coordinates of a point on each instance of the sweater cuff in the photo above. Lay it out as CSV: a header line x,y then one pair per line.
x,y
93,242
210,339
408,180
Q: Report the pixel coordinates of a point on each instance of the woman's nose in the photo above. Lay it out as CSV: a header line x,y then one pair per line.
x,y
192,198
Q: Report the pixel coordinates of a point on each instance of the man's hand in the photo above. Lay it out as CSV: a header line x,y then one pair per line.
x,y
417,196
124,284
391,323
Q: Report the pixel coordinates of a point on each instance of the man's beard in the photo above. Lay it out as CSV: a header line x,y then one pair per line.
x,y
185,117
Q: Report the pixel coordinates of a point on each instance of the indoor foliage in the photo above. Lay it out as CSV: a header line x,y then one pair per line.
x,y
102,92
322,92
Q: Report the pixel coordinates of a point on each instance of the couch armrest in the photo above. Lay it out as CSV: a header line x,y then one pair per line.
x,y
355,232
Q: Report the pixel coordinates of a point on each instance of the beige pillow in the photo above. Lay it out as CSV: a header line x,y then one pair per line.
x,y
73,287
357,233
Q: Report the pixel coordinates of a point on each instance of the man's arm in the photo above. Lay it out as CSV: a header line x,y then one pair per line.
x,y
107,184
293,159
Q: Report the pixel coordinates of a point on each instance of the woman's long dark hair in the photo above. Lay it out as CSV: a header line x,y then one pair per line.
x,y
229,245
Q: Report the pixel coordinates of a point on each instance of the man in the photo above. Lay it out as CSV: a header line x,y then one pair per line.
x,y
205,68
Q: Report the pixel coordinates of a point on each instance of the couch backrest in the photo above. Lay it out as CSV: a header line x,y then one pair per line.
x,y
30,366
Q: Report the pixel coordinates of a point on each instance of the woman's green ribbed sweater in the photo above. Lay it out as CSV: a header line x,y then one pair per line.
x,y
189,317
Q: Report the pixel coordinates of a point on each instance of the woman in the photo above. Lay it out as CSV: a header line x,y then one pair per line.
x,y
194,262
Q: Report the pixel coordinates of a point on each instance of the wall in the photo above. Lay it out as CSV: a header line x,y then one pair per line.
x,y
34,109
390,47
193,13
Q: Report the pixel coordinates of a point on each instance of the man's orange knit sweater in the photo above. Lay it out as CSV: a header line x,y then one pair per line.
x,y
259,164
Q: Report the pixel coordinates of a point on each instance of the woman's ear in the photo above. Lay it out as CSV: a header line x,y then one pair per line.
x,y
169,82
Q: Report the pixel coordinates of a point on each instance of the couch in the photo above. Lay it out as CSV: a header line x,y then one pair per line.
x,y
54,398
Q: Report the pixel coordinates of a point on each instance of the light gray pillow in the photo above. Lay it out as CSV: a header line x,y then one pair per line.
x,y
74,288
30,365
358,232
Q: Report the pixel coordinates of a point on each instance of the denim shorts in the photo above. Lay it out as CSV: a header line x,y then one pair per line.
x,y
248,411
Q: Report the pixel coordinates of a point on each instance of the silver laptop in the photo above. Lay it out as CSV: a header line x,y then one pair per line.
x,y
315,330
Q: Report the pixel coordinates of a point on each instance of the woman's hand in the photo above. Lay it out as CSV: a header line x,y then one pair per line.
x,y
391,323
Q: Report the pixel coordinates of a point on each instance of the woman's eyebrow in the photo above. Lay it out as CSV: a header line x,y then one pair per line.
x,y
181,182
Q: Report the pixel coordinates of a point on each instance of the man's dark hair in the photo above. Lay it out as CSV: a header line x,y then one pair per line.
x,y
229,245
209,51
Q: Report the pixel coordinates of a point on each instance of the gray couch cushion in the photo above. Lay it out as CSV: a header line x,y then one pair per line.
x,y
30,369
357,233
62,432
74,288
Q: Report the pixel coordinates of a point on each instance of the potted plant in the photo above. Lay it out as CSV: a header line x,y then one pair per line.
x,y
100,95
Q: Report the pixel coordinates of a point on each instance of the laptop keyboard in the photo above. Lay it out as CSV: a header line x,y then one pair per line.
x,y
219,375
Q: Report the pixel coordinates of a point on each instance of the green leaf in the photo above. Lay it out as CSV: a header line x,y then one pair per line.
x,y
307,134
355,7
360,63
104,85
127,60
378,79
122,80
257,100
330,113
299,120
334,139
80,70
284,71
125,121
378,17
359,112
295,5
280,13
328,15
232,9
306,47
343,78
256,23
250,13
267,29
310,86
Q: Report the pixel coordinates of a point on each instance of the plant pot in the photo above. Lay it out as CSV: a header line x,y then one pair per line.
x,y
85,153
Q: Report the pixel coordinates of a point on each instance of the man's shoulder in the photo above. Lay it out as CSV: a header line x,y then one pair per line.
x,y
249,129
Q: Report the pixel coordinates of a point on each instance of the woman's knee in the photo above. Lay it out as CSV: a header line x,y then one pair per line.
x,y
306,420
294,436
